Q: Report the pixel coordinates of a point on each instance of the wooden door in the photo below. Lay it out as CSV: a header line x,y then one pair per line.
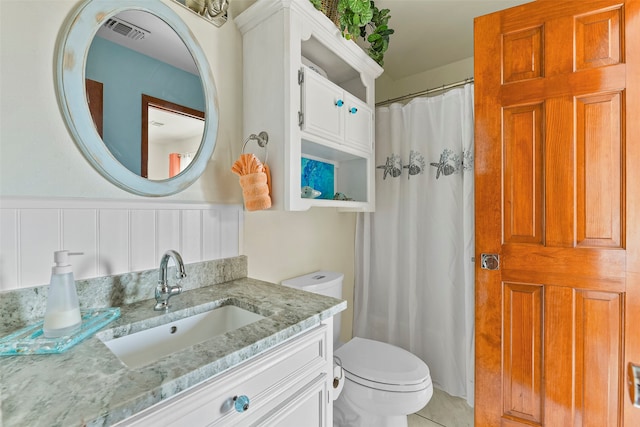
x,y
95,99
558,199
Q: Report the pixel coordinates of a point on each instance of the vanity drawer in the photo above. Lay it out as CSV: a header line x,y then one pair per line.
x,y
264,380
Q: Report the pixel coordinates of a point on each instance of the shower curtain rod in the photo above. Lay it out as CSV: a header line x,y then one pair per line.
x,y
426,92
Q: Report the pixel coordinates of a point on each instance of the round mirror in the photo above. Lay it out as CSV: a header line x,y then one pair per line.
x,y
137,94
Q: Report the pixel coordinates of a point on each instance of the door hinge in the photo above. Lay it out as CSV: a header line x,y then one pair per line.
x,y
300,118
490,261
300,77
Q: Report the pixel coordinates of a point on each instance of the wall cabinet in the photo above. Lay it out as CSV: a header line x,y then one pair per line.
x,y
330,112
299,106
286,386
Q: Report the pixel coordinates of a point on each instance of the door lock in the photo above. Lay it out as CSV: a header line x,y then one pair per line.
x,y
490,261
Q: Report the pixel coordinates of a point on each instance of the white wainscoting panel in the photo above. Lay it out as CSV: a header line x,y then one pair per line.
x,y
114,236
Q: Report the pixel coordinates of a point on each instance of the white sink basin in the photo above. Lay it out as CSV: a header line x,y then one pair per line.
x,y
141,348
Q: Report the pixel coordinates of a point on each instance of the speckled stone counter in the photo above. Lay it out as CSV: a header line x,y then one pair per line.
x,y
88,385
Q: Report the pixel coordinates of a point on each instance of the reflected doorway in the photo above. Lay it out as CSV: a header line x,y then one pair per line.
x,y
171,137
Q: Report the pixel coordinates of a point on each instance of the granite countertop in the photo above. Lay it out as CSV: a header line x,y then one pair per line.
x,y
88,385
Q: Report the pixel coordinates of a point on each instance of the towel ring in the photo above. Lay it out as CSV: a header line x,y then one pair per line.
x,y
262,139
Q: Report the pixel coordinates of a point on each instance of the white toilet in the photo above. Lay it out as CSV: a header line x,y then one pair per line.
x,y
384,383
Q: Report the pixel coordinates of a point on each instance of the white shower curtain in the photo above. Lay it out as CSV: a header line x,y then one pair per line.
x,y
414,269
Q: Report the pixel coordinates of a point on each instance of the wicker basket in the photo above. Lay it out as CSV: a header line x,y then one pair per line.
x,y
330,8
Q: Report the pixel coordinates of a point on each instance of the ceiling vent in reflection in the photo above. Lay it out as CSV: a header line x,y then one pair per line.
x,y
126,29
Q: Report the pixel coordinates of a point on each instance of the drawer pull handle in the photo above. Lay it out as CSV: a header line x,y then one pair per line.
x,y
241,403
353,110
339,102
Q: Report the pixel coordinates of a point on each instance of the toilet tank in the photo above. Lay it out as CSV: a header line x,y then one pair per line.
x,y
327,283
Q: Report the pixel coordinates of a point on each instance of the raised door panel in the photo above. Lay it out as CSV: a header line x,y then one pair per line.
x,y
599,170
302,405
597,38
522,181
358,124
323,107
522,351
522,55
598,352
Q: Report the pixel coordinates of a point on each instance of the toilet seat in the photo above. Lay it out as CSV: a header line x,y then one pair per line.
x,y
382,366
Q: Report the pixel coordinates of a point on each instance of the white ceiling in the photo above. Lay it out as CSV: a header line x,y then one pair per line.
x,y
428,33
160,41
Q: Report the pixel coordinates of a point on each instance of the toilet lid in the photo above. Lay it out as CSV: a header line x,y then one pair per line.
x,y
383,366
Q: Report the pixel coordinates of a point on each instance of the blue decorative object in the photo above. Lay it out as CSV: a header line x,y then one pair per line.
x,y
353,110
339,102
30,340
319,176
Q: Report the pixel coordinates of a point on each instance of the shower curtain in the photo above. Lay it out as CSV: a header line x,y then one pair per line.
x,y
414,268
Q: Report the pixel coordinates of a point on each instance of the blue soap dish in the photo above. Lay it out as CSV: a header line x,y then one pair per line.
x,y
30,340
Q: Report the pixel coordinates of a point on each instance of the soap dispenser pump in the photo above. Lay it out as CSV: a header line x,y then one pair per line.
x,y
63,312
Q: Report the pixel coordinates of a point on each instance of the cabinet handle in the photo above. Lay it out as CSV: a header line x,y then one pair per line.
x,y
353,110
241,403
339,102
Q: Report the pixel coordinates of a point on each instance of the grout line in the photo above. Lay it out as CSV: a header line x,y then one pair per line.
x,y
422,416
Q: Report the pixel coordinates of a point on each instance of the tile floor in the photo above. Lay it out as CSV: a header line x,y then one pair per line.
x,y
443,411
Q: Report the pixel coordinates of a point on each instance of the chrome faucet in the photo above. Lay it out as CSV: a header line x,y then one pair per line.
x,y
163,290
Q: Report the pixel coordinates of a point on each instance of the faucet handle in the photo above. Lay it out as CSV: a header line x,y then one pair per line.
x,y
163,290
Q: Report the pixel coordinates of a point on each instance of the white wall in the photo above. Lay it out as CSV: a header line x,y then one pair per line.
x,y
281,245
386,88
37,155
38,158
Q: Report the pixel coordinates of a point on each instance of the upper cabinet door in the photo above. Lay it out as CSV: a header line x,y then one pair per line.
x,y
322,106
334,114
358,123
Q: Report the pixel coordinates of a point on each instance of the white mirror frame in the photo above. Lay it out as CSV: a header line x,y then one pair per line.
x,y
73,46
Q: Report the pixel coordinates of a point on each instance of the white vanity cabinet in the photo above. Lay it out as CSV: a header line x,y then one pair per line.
x,y
286,386
297,105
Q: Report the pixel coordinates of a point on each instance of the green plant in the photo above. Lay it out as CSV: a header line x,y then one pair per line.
x,y
379,33
352,15
361,18
318,5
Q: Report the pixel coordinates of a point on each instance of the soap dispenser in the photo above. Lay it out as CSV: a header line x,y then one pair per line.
x,y
63,312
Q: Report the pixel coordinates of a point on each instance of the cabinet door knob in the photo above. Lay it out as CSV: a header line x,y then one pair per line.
x,y
353,110
241,403
339,102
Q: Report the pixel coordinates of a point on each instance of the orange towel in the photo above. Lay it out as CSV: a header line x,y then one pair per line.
x,y
255,191
254,182
268,173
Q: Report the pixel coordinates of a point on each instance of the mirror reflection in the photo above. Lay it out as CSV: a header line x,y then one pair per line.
x,y
171,136
145,94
